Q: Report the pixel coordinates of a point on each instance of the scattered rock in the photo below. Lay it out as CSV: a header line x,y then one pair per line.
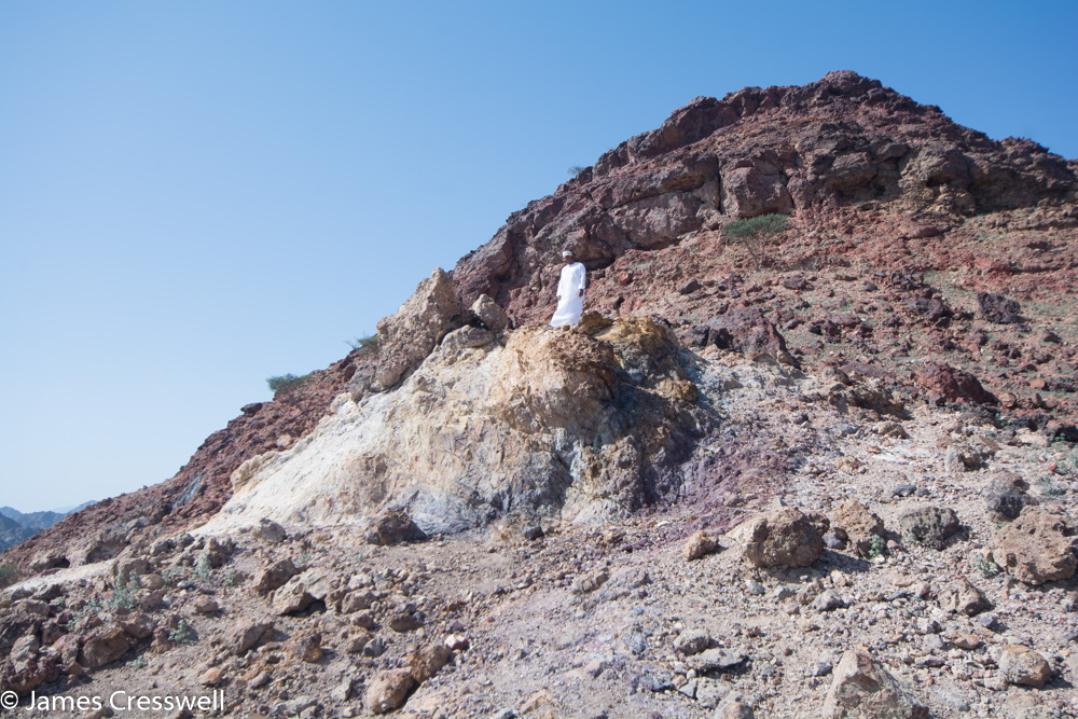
x,y
275,576
699,545
862,527
104,646
1022,666
999,309
249,636
428,661
863,689
1037,547
783,538
1007,494
964,598
394,527
388,690
689,643
929,526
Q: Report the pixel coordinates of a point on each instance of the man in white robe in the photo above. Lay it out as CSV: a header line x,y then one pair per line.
x,y
571,286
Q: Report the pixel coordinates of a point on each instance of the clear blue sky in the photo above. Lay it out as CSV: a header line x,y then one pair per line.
x,y
197,195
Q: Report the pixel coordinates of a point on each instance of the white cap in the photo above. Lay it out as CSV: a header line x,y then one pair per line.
x,y
566,253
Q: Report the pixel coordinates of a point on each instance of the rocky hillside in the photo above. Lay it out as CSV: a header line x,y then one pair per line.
x,y
811,453
16,526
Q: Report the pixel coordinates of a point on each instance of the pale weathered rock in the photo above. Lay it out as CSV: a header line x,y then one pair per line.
x,y
783,538
699,545
862,689
490,314
617,401
275,576
249,636
1022,666
418,326
1037,547
428,661
388,690
302,592
962,597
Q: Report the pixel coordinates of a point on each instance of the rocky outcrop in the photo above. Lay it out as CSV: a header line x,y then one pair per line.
x,y
407,337
592,424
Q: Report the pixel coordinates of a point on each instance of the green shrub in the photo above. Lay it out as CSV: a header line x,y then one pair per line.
x,y
754,226
183,633
752,232
286,383
365,343
8,575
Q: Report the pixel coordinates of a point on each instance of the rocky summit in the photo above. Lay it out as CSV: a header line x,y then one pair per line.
x,y
810,453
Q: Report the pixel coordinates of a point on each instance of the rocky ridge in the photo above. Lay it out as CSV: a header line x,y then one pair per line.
x,y
827,472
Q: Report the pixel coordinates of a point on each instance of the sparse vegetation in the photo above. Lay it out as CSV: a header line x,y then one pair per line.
x,y
369,342
8,575
182,634
752,232
575,171
122,598
1049,488
203,569
986,566
282,384
877,547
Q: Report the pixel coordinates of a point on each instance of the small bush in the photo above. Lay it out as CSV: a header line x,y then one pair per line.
x,y
754,226
365,343
576,171
184,633
123,595
8,575
286,383
986,567
752,231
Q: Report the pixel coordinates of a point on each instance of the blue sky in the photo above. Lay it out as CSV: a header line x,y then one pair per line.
x,y
197,195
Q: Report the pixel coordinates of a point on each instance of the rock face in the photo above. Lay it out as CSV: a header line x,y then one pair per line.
x,y
947,384
593,424
783,538
1037,547
407,337
862,689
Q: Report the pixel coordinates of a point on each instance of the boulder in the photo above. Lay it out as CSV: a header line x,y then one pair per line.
x,y
275,576
748,331
302,593
1037,547
963,598
428,661
105,645
388,690
783,538
699,545
248,636
1023,667
862,689
394,527
490,314
944,383
1007,494
929,526
863,529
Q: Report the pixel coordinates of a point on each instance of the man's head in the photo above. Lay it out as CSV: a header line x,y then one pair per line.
x,y
567,255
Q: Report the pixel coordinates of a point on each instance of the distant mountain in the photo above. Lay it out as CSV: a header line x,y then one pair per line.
x,y
16,526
